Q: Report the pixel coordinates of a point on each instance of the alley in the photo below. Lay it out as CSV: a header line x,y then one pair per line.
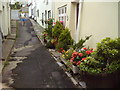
x,y
38,69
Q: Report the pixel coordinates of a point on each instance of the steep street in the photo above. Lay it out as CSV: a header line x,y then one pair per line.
x,y
38,69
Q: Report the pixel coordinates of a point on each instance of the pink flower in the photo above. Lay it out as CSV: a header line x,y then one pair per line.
x,y
72,58
88,52
74,54
83,59
63,51
80,54
78,63
61,21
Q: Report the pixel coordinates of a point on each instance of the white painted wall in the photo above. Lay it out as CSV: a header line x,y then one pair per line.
x,y
99,19
5,18
119,19
42,5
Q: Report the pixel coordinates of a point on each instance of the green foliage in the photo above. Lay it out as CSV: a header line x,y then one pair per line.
x,y
115,65
50,26
50,45
16,6
106,58
65,40
57,29
80,44
90,65
108,50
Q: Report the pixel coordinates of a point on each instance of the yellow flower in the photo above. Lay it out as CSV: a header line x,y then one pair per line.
x,y
67,51
63,56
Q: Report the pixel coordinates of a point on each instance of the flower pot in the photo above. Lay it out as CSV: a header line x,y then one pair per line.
x,y
75,69
101,80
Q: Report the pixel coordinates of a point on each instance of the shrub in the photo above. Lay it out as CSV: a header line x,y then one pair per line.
x,y
107,56
65,40
108,50
48,30
57,29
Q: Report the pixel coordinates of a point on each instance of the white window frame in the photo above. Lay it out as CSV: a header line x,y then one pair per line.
x,y
62,16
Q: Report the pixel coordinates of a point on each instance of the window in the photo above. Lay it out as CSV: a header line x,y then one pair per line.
x,y
38,13
45,14
62,14
42,18
49,14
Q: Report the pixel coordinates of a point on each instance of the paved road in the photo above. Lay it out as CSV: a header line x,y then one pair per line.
x,y
39,69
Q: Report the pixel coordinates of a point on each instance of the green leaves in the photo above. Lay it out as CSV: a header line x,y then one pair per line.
x,y
106,58
80,44
65,40
56,31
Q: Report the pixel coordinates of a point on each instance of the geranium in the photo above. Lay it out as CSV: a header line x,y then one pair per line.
x,y
83,58
75,54
80,56
88,52
61,21
61,50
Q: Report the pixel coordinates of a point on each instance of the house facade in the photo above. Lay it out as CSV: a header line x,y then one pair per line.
x,y
32,8
44,10
83,18
99,19
5,17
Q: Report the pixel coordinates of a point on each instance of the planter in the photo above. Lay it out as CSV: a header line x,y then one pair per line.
x,y
101,80
75,69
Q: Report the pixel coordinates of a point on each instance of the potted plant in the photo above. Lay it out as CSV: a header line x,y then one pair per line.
x,y
104,64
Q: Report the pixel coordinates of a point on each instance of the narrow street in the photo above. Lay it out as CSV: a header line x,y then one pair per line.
x,y
38,69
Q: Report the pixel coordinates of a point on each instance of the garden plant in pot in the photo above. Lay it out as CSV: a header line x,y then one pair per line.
x,y
103,64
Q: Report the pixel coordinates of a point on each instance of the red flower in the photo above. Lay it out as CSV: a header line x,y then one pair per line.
x,y
83,59
63,51
92,51
78,63
85,48
88,52
75,54
61,48
80,54
58,51
72,58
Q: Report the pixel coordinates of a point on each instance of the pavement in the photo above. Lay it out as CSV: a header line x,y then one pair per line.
x,y
32,65
6,49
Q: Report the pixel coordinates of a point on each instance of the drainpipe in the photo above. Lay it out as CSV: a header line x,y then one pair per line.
x,y
79,21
